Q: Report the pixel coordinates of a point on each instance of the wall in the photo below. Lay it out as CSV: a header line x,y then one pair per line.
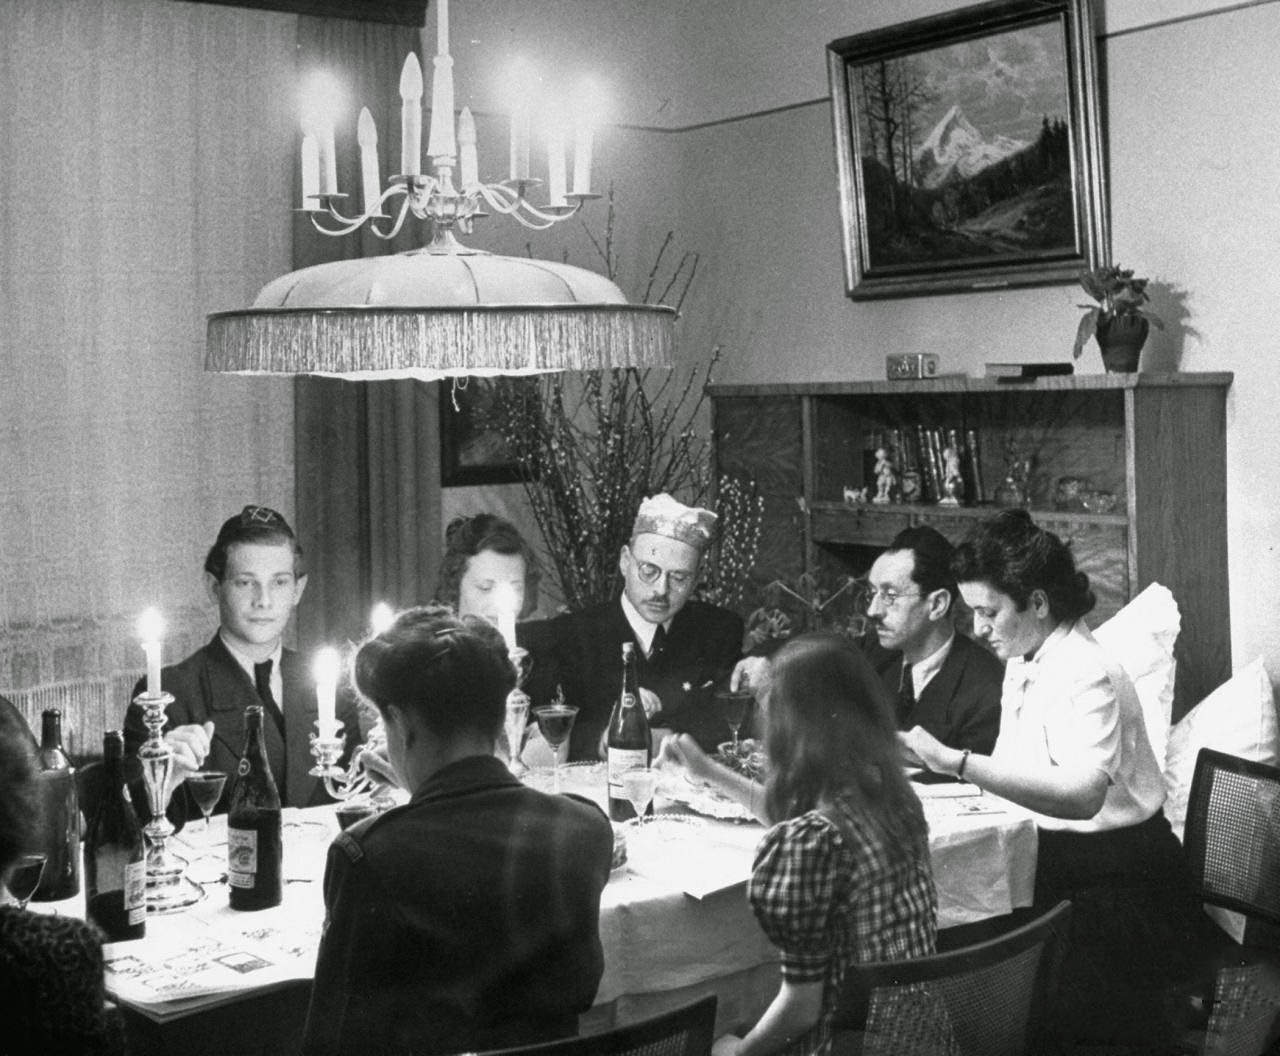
x,y
1190,94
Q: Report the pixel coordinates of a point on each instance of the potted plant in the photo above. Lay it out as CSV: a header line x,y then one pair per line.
x,y
1118,322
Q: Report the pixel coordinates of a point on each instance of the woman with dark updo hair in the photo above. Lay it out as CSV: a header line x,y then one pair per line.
x,y
468,918
485,557
1074,750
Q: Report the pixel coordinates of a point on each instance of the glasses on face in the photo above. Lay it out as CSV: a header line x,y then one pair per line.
x,y
888,597
651,573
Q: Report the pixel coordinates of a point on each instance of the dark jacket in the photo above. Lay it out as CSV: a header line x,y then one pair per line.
x,y
582,651
210,685
51,987
465,920
961,703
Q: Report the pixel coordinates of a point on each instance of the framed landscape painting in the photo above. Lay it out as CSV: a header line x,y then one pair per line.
x,y
968,150
472,448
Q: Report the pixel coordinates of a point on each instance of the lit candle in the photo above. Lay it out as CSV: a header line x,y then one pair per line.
x,y
326,672
328,158
468,165
150,630
381,618
521,90
506,604
310,172
411,117
440,141
322,102
367,137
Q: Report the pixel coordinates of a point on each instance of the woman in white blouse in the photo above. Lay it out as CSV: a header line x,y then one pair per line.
x,y
1073,749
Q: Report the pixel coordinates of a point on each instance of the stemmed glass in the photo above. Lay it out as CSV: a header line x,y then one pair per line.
x,y
514,726
639,783
733,705
25,876
206,788
556,723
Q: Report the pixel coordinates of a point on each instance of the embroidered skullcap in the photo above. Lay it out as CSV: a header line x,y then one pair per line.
x,y
663,515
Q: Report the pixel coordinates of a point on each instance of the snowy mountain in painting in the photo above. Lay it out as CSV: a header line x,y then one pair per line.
x,y
957,150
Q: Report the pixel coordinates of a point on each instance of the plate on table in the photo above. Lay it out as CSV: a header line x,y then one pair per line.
x,y
746,758
676,787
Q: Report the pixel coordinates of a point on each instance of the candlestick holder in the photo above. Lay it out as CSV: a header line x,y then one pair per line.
x,y
168,888
517,716
355,781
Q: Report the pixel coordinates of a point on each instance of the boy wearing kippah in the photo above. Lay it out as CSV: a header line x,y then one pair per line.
x,y
253,573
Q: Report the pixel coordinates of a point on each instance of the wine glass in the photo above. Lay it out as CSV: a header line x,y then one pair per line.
x,y
639,783
514,726
556,723
206,788
25,876
733,705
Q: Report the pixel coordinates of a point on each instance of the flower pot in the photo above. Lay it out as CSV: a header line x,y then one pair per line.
x,y
1121,337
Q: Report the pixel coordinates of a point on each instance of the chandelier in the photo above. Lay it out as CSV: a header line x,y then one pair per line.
x,y
445,310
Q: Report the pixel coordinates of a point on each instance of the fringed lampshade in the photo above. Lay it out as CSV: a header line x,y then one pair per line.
x,y
431,315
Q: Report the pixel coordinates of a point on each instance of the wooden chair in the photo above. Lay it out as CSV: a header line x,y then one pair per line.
x,y
987,999
685,1031
1232,844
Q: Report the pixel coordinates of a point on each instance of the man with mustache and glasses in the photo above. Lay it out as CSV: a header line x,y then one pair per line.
x,y
684,647
937,678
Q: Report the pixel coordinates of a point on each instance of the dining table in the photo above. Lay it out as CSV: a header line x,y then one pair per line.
x,y
675,923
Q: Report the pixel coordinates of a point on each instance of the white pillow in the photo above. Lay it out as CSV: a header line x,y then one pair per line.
x,y
1140,637
1238,717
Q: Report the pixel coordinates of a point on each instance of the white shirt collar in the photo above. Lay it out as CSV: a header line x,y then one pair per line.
x,y
277,683
922,672
640,627
1019,671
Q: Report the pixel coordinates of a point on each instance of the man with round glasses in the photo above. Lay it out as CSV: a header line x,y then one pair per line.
x,y
937,677
684,647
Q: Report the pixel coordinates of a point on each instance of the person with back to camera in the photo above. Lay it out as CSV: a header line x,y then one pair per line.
x,y
843,876
51,981
466,919
1073,749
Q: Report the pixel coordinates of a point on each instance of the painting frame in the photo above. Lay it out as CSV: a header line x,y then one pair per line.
x,y
471,451
923,221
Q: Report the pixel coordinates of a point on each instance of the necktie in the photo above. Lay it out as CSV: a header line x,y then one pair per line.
x,y
262,682
659,642
906,697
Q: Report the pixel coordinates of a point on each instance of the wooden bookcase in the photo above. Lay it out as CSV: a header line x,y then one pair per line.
x,y
1156,441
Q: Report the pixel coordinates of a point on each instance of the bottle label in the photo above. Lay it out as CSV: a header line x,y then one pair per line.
x,y
242,857
135,892
243,768
629,700
621,760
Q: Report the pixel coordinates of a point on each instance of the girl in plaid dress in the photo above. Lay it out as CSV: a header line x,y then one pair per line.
x,y
843,876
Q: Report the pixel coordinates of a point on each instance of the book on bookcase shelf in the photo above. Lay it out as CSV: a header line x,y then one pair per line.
x,y
973,460
1027,371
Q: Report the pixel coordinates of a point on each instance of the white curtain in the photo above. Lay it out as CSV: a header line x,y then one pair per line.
x,y
146,153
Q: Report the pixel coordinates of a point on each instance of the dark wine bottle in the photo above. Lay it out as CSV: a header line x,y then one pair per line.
x,y
253,825
628,738
114,854
60,829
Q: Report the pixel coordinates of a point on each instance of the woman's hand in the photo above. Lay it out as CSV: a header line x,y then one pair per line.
x,y
682,750
375,762
919,745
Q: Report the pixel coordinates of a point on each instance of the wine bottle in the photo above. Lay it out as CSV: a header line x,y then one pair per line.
x,y
253,825
60,830
628,738
114,855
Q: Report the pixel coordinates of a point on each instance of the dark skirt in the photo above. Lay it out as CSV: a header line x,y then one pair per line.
x,y
1137,938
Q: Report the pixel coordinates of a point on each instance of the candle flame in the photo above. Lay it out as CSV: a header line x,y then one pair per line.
x,y
326,664
322,100
151,625
505,599
382,617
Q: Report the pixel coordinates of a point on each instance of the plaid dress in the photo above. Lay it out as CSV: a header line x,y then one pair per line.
x,y
830,895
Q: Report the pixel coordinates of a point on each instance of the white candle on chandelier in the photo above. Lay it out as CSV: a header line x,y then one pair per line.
x,y
325,669
555,156
440,142
150,630
321,104
520,89
310,172
586,115
411,117
468,165
505,606
367,137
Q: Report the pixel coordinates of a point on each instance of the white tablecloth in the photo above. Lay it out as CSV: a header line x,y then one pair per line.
x,y
662,943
